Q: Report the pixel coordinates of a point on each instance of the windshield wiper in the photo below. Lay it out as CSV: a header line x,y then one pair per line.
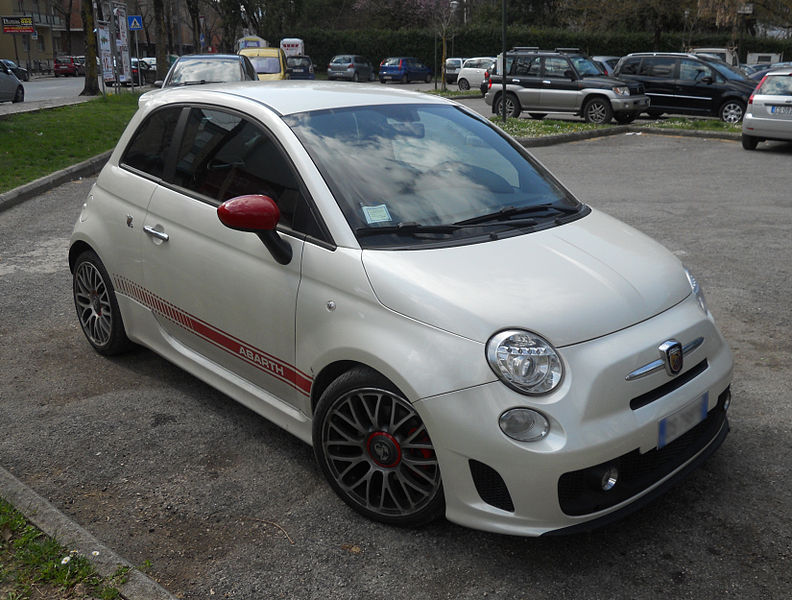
x,y
505,214
201,82
413,228
406,228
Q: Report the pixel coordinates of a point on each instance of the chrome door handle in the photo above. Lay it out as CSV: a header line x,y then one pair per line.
x,y
161,235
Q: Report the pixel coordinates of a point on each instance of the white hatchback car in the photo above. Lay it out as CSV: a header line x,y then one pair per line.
x,y
769,112
472,72
394,280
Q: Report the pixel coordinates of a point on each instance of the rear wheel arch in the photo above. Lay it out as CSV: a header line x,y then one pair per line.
x,y
76,249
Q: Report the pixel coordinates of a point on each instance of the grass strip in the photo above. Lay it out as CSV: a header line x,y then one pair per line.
x,y
33,565
36,144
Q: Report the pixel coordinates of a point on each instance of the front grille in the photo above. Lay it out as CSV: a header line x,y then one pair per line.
x,y
580,492
637,90
669,387
490,486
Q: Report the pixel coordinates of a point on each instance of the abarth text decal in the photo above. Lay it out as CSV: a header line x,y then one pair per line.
x,y
225,341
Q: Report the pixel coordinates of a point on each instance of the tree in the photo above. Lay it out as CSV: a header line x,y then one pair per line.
x,y
91,87
162,37
440,15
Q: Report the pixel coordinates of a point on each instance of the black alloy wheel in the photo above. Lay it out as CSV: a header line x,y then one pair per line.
x,y
97,307
375,451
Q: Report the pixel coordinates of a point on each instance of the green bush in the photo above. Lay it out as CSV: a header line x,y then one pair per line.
x,y
323,44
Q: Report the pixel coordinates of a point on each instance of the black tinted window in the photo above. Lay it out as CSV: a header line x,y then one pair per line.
x,y
149,147
223,156
658,66
630,66
525,65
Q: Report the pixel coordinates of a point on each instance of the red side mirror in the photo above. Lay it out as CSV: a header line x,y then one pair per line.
x,y
249,213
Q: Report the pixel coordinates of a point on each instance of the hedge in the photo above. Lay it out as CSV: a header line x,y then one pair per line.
x,y
323,44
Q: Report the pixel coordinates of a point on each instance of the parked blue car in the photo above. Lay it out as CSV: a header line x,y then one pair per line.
x,y
404,69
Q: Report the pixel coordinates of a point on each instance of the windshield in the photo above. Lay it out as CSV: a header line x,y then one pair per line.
x,y
585,66
419,174
728,72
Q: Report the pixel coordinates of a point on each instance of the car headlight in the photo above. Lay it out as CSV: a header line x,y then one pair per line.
x,y
696,288
524,361
621,91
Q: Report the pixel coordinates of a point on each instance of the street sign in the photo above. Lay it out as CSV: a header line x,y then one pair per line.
x,y
135,22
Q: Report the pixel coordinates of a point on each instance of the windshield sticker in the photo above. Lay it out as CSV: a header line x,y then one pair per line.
x,y
376,214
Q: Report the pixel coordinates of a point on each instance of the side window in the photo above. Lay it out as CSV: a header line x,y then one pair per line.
x,y
630,66
658,66
556,66
692,70
525,65
148,150
223,156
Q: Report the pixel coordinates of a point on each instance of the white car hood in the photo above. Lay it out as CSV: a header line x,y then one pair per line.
x,y
569,284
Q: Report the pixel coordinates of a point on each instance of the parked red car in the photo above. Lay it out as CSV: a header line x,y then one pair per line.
x,y
68,65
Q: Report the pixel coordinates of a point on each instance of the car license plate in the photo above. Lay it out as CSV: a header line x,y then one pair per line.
x,y
682,421
781,110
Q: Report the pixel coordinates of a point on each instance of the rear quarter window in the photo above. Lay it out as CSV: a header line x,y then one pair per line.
x,y
148,150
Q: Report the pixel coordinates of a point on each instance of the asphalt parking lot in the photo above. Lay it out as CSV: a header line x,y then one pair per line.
x,y
162,468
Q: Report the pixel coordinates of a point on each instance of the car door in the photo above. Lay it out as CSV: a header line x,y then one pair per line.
x,y
659,75
7,84
525,80
218,292
697,86
560,90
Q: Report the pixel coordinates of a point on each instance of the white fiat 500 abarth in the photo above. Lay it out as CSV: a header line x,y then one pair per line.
x,y
397,282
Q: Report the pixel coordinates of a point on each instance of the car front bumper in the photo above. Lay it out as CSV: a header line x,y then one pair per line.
x,y
630,103
495,483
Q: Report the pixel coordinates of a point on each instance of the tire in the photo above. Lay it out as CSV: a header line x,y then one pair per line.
x,y
512,106
463,85
597,110
382,80
386,473
749,142
655,114
538,116
731,111
625,118
19,96
355,77
428,78
405,79
97,307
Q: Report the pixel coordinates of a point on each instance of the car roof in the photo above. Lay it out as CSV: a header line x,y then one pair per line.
x,y
268,51
209,56
290,97
779,72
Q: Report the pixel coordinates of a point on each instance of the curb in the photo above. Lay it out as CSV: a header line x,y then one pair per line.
x,y
43,184
561,138
58,526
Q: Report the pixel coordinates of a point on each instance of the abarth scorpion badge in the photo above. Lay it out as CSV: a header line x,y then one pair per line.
x,y
673,358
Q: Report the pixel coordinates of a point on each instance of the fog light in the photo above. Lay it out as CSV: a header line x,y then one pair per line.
x,y
609,478
727,400
524,424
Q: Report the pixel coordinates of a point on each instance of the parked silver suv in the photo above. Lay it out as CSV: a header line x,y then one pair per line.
x,y
562,80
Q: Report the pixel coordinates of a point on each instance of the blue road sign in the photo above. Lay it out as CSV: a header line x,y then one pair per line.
x,y
135,22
